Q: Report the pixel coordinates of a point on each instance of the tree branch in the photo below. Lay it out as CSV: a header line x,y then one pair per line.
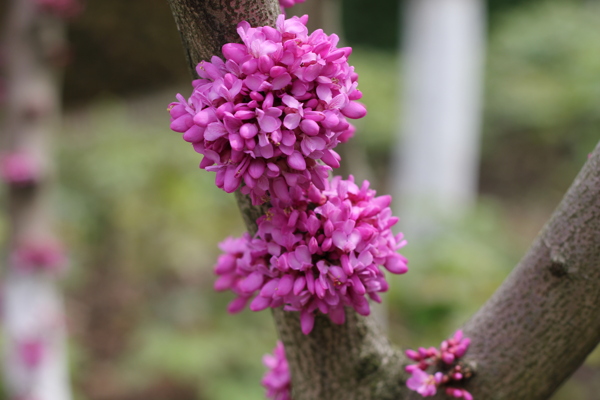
x,y
545,319
530,336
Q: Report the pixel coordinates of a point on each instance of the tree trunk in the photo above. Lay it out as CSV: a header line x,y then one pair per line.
x,y
437,158
559,293
35,364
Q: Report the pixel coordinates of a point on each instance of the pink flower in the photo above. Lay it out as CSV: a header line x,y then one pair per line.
x,y
322,254
423,383
450,351
454,347
38,255
289,3
277,380
459,393
19,168
31,352
268,117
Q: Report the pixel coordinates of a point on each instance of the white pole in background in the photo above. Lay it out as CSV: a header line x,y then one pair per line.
x,y
436,162
33,319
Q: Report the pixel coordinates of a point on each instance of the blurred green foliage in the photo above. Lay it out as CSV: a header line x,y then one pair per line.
x,y
542,97
372,24
451,275
136,210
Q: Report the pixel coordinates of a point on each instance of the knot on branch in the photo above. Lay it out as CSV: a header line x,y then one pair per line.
x,y
558,269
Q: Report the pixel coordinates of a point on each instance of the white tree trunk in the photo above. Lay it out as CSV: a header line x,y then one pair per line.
x,y
35,362
437,158
34,316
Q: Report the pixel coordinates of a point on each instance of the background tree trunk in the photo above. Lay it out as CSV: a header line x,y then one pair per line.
x,y
437,159
32,306
559,293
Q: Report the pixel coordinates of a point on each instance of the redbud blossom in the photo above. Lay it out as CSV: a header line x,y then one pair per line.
x,y
31,352
445,358
321,254
454,347
289,3
423,383
459,393
19,168
269,115
277,379
39,256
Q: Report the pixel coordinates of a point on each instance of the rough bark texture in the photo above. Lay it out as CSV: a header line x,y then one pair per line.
x,y
32,306
351,361
206,25
530,336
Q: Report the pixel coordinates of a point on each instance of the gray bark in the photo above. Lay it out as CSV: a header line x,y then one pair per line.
x,y
545,319
546,312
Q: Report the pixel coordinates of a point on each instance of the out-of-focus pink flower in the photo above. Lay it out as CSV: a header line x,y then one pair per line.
x,y
322,254
288,3
449,353
19,168
62,8
39,256
459,393
31,352
423,383
277,379
269,116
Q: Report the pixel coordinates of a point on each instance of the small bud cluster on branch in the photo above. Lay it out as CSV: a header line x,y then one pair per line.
x,y
446,360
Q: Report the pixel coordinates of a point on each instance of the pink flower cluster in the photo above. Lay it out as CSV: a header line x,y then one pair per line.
x,y
62,8
39,256
277,380
322,253
19,169
446,358
277,105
